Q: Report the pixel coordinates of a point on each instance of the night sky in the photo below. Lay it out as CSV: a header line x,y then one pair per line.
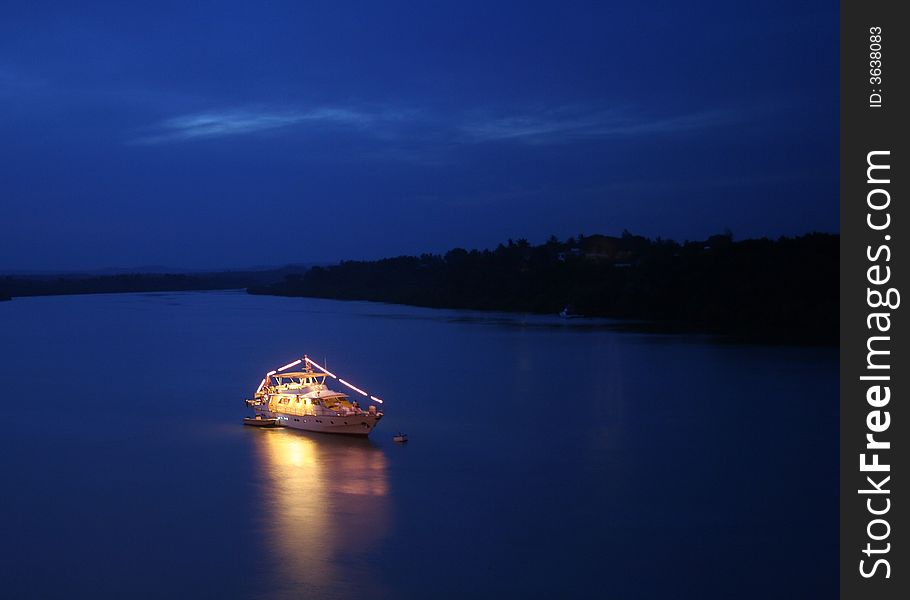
x,y
227,134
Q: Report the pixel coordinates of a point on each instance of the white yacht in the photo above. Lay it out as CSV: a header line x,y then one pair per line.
x,y
302,400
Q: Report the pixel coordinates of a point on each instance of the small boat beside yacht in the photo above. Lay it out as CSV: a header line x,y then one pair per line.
x,y
260,421
301,399
569,312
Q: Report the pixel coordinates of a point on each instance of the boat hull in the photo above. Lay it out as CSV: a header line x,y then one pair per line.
x,y
345,424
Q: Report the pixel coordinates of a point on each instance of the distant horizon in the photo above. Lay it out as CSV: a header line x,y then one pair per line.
x,y
178,269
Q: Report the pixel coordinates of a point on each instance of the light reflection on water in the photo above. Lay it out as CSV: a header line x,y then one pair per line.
x,y
546,460
323,501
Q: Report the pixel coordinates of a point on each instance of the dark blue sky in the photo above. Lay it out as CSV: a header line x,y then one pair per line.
x,y
220,134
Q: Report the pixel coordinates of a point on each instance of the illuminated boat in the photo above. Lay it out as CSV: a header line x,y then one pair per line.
x,y
301,399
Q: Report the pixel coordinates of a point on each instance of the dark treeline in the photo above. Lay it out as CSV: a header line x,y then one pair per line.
x,y
51,285
777,290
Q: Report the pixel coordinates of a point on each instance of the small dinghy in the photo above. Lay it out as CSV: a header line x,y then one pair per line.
x,y
401,438
569,312
258,421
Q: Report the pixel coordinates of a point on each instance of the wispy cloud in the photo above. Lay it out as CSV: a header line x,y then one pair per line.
x,y
443,130
213,124
567,125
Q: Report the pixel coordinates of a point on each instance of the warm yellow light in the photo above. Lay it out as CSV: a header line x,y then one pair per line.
x,y
313,363
261,383
303,483
323,369
356,389
289,365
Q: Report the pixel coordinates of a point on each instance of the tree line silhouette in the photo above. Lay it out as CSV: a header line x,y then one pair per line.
x,y
777,290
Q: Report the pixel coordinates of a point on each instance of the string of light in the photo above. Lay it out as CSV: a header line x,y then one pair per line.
x,y
321,368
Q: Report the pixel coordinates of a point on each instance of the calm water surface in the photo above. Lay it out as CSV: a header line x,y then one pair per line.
x,y
546,459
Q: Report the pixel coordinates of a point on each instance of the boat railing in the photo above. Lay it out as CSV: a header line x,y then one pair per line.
x,y
299,412
286,409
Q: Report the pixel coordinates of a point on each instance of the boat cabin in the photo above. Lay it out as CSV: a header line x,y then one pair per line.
x,y
299,379
305,393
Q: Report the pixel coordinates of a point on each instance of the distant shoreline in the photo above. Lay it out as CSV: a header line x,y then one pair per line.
x,y
769,291
13,286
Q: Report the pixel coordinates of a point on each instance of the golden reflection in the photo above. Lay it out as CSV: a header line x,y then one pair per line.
x,y
324,503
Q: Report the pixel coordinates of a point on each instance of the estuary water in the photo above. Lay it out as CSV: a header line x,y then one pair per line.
x,y
547,459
